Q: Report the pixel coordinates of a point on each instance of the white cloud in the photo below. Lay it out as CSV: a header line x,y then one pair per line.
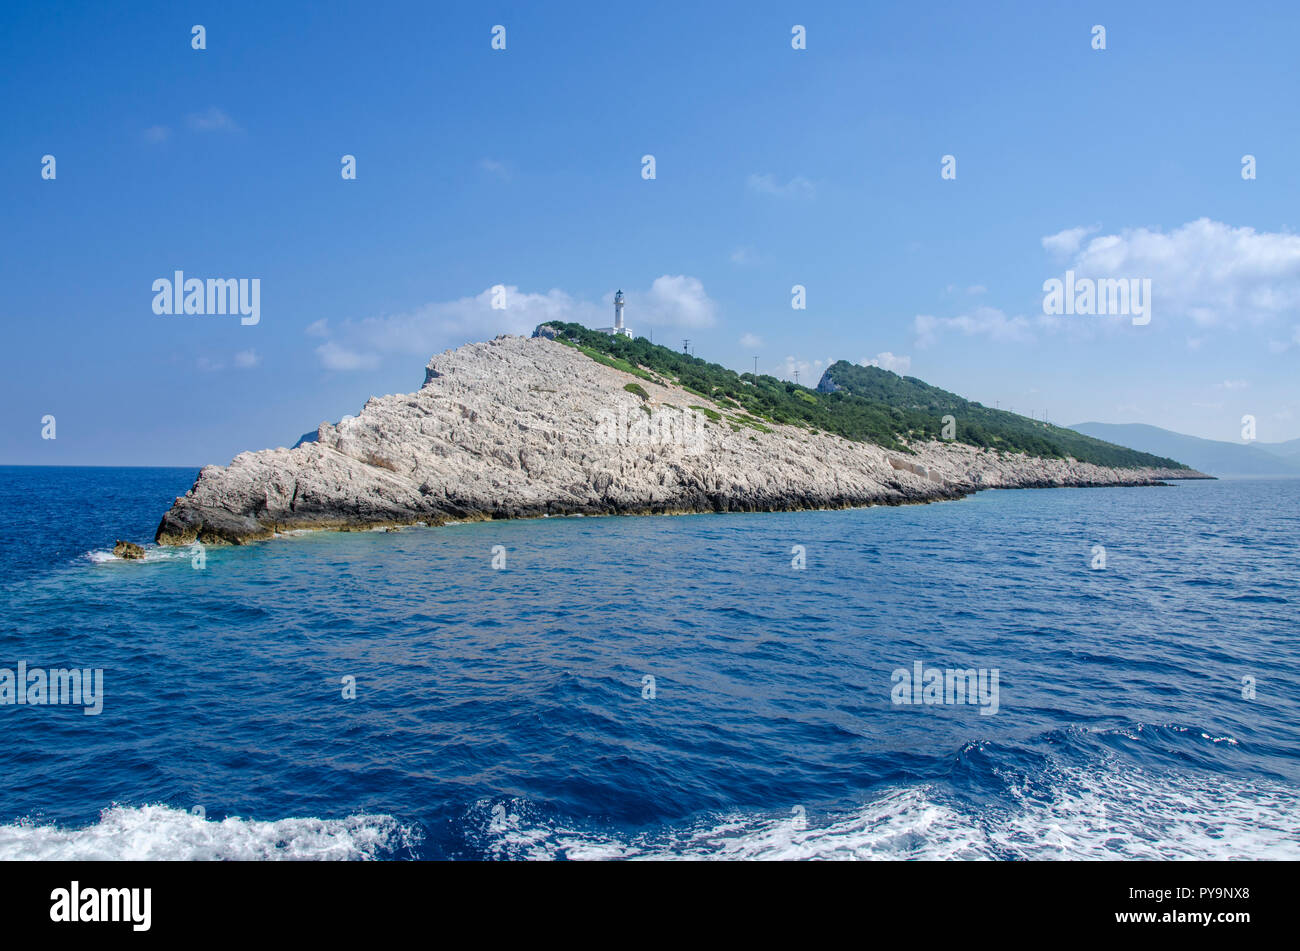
x,y
751,342
1281,346
981,322
156,134
361,344
887,361
809,371
673,300
497,169
1232,385
1067,242
214,120
766,184
244,360
1204,271
743,256
335,356
355,345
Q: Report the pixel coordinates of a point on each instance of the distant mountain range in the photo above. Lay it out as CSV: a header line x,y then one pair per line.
x,y
1210,456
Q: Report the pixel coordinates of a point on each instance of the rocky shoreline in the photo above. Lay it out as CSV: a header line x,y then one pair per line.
x,y
524,427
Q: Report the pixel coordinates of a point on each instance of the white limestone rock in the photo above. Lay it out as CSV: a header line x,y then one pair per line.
x,y
520,427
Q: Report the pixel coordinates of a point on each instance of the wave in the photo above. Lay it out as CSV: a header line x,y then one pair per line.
x,y
164,833
899,825
152,553
1080,813
1099,812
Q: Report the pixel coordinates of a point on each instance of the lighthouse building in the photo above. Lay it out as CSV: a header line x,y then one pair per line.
x,y
618,329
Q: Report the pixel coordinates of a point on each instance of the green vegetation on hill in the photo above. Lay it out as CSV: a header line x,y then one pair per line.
x,y
867,404
977,424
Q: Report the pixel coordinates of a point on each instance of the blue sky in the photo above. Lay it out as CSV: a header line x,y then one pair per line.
x,y
523,167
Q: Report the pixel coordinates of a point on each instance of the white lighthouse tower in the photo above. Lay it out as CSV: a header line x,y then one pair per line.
x,y
618,330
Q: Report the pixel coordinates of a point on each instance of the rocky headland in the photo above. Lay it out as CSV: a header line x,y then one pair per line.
x,y
522,427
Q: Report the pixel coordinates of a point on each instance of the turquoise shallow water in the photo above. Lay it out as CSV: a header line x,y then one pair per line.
x,y
505,713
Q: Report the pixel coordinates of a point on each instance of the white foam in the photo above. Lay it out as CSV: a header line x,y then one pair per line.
x,y
152,553
1129,813
1106,812
149,833
905,824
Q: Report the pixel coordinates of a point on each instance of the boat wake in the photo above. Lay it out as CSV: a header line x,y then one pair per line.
x,y
157,832
1080,814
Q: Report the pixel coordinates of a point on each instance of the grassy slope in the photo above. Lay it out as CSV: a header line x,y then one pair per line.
x,y
871,405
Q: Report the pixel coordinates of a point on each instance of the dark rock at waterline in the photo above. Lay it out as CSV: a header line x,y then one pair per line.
x,y
128,550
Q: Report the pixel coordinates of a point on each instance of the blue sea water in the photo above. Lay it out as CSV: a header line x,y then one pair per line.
x,y
503,712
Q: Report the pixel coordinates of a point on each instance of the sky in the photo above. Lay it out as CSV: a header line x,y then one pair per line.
x,y
524,168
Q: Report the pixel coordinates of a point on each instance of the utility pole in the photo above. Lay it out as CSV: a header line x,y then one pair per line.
x,y
686,346
796,377
756,366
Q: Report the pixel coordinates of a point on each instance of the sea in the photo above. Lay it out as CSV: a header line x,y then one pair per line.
x,y
714,686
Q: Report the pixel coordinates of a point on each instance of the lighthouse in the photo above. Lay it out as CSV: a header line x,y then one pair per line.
x,y
618,330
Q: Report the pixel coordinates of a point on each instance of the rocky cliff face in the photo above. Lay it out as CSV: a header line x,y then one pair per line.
x,y
520,427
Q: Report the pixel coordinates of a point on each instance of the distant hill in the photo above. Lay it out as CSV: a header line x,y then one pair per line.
x,y
924,406
1286,450
1210,456
865,404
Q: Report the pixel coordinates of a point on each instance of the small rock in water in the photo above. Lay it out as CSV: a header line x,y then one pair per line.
x,y
128,550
